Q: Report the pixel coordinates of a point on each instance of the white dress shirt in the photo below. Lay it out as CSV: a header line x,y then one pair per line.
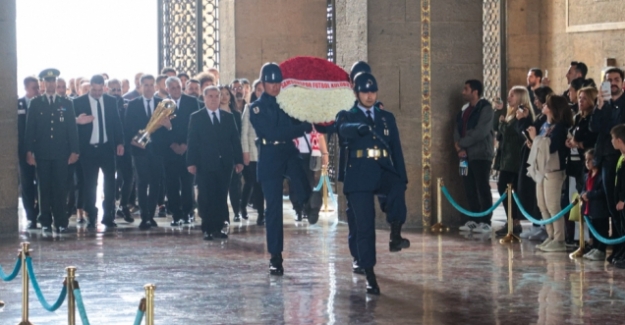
x,y
364,110
95,131
210,114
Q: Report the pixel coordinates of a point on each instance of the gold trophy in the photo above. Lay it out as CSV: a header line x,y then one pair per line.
x,y
166,108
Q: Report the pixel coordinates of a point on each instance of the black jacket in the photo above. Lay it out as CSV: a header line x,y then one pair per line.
x,y
113,125
136,120
602,121
596,198
213,147
180,124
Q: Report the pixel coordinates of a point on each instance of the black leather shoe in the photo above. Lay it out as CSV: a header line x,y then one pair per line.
x,y
119,214
261,220
275,265
244,213
619,263
127,215
144,225
504,231
208,236
186,221
356,268
313,218
396,242
298,216
237,218
162,212
91,226
81,220
32,225
372,283
109,224
153,223
221,235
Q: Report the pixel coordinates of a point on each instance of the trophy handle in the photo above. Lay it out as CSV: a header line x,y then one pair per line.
x,y
143,138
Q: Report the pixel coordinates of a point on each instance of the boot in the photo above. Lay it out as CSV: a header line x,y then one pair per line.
x,y
275,265
356,267
260,221
396,242
372,283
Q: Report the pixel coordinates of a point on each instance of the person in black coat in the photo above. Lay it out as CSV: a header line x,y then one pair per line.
x,y
179,180
595,207
101,139
148,160
28,179
214,151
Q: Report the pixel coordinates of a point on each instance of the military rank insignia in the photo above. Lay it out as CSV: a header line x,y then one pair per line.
x,y
256,110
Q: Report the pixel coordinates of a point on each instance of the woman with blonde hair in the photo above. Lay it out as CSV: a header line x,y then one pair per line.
x,y
508,160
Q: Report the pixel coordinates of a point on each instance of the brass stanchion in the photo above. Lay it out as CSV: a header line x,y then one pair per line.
x,y
324,173
149,304
439,227
579,253
71,302
510,237
25,252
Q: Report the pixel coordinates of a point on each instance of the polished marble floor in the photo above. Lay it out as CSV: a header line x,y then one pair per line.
x,y
441,279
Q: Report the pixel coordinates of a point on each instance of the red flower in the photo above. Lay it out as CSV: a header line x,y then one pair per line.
x,y
312,68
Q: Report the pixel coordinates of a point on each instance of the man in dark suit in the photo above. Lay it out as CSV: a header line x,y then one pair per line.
x,y
51,143
101,140
148,161
27,172
214,150
179,180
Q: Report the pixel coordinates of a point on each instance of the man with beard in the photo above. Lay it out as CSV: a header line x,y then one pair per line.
x,y
237,89
193,88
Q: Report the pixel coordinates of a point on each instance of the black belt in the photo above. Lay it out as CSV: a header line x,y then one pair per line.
x,y
374,153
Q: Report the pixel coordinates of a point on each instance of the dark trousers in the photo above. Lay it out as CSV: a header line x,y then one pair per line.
x,y
52,178
125,179
316,198
352,235
393,189
235,193
103,159
252,189
75,195
477,188
506,178
212,198
602,225
28,183
149,169
179,188
272,189
608,172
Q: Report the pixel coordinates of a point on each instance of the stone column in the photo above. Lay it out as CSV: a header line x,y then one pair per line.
x,y
421,52
8,123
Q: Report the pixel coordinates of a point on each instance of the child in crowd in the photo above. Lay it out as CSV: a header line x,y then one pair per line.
x,y
595,207
618,141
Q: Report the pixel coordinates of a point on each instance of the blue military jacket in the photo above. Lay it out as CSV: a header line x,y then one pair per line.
x,y
277,130
363,174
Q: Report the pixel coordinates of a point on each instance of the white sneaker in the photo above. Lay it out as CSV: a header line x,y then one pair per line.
x,y
595,255
469,226
526,234
545,242
589,253
554,246
483,228
538,234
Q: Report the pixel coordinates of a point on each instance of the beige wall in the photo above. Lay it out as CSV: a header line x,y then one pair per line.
x,y
265,31
541,25
8,122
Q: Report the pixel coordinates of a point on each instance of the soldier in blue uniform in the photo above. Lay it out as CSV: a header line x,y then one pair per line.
x,y
51,144
374,166
277,158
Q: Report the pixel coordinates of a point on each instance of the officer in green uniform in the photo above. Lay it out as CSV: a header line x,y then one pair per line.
x,y
51,144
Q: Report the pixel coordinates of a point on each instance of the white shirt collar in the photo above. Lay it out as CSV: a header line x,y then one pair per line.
x,y
210,114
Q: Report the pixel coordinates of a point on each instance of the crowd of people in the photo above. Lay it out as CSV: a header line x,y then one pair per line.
x,y
551,148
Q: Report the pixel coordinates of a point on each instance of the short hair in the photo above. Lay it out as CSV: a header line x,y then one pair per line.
x,y
475,85
244,81
193,81
161,77
577,83
205,77
182,74
618,132
590,152
256,83
560,109
581,67
146,77
167,70
235,81
589,83
30,79
170,80
209,88
613,70
97,79
542,93
113,81
537,72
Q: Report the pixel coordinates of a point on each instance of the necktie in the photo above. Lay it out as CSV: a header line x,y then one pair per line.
x,y
215,119
100,123
50,100
149,109
370,118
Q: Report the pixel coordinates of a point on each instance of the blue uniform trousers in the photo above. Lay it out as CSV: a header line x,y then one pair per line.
x,y
391,189
272,188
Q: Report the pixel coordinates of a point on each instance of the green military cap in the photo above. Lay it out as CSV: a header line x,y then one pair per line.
x,y
49,74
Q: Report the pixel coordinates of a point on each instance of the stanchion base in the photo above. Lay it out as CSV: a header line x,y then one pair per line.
x,y
510,238
1,303
439,227
25,323
579,253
